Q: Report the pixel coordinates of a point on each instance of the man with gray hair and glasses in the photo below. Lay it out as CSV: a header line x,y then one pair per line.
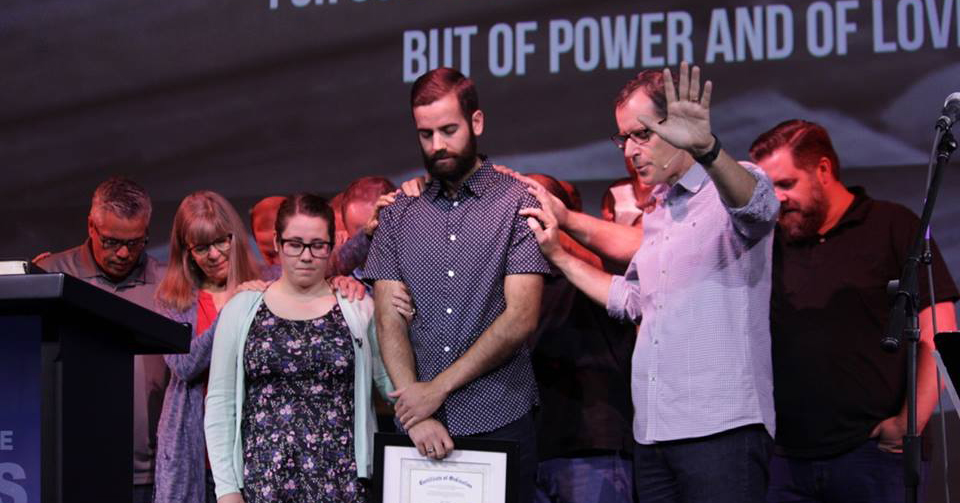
x,y
113,259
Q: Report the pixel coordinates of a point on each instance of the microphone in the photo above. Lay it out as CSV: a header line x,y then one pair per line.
x,y
675,154
950,113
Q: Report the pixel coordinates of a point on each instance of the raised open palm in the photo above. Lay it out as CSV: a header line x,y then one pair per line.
x,y
687,125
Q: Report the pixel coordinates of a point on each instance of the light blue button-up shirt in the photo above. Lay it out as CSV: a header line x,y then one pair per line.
x,y
701,284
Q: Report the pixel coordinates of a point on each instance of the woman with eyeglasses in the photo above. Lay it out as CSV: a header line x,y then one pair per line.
x,y
289,410
209,259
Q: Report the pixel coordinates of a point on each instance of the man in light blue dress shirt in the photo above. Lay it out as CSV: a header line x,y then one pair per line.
x,y
699,278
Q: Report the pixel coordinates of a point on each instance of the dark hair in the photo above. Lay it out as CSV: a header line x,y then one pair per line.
x,y
367,188
122,197
438,83
651,83
808,143
307,204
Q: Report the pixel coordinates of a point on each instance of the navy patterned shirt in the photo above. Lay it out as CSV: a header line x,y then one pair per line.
x,y
453,254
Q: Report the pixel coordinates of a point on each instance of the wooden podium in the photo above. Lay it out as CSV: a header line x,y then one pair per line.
x,y
66,387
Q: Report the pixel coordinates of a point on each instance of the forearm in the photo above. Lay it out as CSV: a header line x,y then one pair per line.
x,y
590,280
190,366
927,391
394,339
611,241
734,183
495,345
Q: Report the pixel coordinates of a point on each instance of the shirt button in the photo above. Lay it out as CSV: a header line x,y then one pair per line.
x,y
449,310
823,240
453,237
456,203
450,273
653,378
446,349
656,342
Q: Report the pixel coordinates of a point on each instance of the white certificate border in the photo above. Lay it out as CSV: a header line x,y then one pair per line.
x,y
394,456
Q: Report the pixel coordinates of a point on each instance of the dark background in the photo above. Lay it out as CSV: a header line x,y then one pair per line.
x,y
252,101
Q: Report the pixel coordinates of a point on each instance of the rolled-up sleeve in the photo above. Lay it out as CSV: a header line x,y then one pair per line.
x,y
758,217
623,299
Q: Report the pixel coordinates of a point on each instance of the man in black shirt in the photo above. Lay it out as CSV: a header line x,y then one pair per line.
x,y
839,398
581,357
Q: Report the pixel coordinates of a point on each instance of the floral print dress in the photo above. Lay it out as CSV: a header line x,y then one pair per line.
x,y
297,426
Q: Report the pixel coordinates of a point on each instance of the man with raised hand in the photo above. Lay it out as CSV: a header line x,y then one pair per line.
x,y
700,281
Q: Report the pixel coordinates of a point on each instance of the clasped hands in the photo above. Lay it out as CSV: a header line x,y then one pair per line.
x,y
414,405
417,401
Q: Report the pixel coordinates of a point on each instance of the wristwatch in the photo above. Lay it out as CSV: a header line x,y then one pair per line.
x,y
708,158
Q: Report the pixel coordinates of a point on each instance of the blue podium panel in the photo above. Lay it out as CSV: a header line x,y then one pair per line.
x,y
20,397
66,388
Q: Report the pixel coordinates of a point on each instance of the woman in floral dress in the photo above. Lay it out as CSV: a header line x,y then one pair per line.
x,y
289,410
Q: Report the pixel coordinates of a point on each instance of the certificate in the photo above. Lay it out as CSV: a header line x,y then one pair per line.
x,y
477,471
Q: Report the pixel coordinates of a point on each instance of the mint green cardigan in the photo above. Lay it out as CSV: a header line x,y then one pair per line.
x,y
225,389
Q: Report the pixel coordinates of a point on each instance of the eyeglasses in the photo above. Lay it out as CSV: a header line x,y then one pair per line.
x,y
295,247
109,243
639,137
221,244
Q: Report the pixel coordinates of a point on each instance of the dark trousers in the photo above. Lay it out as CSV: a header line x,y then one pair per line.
x,y
143,493
863,475
729,467
522,432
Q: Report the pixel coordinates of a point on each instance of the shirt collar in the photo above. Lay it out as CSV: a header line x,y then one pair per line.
x,y
691,181
87,268
855,214
476,184
858,210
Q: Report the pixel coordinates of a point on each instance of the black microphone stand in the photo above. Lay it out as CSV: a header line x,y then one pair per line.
x,y
904,315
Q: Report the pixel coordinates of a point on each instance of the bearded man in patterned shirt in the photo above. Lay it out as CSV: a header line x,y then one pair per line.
x,y
474,271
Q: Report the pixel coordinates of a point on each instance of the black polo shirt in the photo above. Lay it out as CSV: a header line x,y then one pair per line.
x,y
833,383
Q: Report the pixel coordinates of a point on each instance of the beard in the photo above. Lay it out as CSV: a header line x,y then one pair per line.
x,y
803,221
449,166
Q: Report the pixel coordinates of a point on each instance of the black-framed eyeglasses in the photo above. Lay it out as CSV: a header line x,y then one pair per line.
x,y
109,243
295,247
639,137
222,245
